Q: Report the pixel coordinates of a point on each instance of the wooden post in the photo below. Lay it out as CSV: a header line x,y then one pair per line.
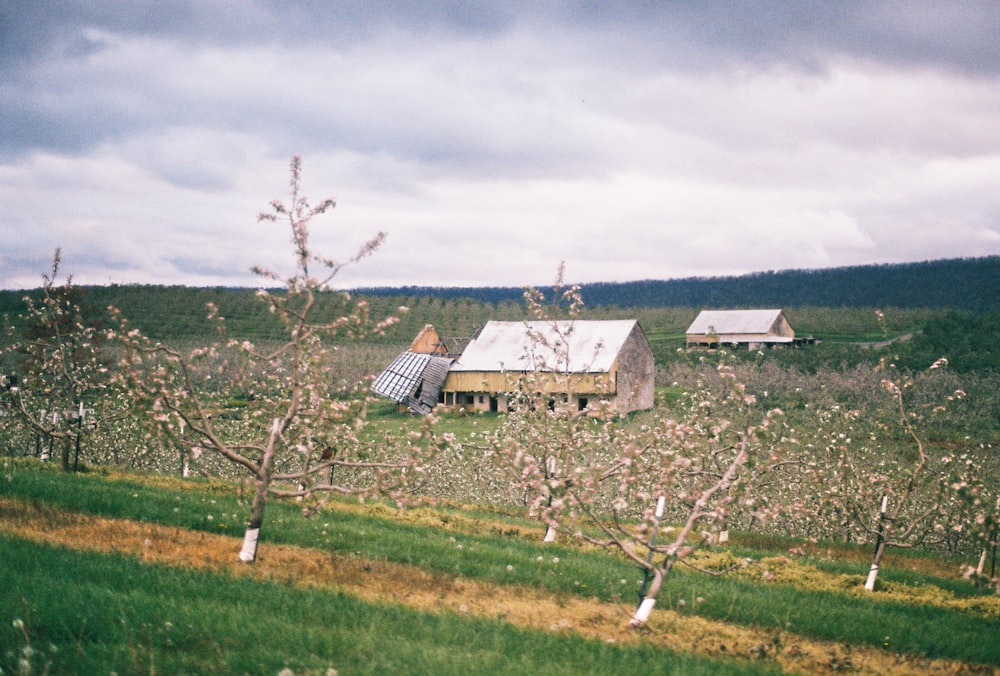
x,y
993,562
183,459
79,433
993,542
724,532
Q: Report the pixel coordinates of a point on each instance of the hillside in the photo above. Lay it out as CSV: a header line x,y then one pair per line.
x,y
963,284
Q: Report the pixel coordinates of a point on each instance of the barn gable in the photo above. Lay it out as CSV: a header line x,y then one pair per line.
x,y
428,342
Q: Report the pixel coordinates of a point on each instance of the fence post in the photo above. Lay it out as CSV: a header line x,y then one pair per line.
x,y
79,433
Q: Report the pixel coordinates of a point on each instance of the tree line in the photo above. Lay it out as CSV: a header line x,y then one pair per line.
x,y
971,284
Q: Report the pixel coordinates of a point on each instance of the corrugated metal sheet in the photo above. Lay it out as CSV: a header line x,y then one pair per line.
x,y
413,379
432,380
593,346
726,322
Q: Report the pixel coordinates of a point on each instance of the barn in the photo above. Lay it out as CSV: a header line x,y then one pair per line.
x,y
752,329
590,361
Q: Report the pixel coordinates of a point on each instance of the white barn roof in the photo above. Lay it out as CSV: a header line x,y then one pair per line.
x,y
727,322
535,345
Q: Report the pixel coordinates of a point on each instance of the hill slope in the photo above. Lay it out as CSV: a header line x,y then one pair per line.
x,y
962,284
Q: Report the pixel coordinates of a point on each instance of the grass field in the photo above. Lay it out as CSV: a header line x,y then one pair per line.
x,y
127,573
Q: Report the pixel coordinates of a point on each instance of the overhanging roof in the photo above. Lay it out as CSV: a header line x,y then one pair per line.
x,y
593,346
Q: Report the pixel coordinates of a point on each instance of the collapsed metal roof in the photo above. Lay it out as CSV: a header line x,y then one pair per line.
x,y
581,346
414,379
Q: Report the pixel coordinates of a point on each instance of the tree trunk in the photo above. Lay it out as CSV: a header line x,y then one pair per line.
x,y
879,547
64,456
645,608
248,554
648,594
873,571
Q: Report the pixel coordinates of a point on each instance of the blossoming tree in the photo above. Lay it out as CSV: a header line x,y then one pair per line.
x,y
62,370
617,482
296,433
883,484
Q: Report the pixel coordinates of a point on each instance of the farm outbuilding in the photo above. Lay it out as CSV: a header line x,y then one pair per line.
x,y
753,329
591,361
414,378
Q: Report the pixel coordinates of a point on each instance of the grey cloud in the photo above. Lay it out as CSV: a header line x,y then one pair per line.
x,y
29,28
55,60
713,34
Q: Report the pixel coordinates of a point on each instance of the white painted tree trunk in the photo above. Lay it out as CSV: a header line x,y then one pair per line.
x,y
645,608
879,548
982,563
550,534
872,575
642,613
248,554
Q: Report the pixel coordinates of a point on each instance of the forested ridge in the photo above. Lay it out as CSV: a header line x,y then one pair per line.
x,y
943,308
961,284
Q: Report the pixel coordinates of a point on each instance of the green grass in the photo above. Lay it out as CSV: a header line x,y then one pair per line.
x,y
89,613
845,616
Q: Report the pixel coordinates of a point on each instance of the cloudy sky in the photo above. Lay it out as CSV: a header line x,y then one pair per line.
x,y
491,140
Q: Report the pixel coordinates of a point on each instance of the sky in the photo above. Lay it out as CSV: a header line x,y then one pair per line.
x,y
491,141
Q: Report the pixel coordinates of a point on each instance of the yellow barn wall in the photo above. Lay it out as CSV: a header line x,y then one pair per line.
x,y
494,382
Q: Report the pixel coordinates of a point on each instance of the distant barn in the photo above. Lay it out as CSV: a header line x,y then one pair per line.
x,y
751,329
608,361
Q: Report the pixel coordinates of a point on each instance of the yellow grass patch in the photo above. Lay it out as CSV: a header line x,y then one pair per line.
x,y
787,571
383,582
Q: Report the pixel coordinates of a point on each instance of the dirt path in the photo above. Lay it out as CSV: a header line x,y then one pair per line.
x,y
384,582
886,343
